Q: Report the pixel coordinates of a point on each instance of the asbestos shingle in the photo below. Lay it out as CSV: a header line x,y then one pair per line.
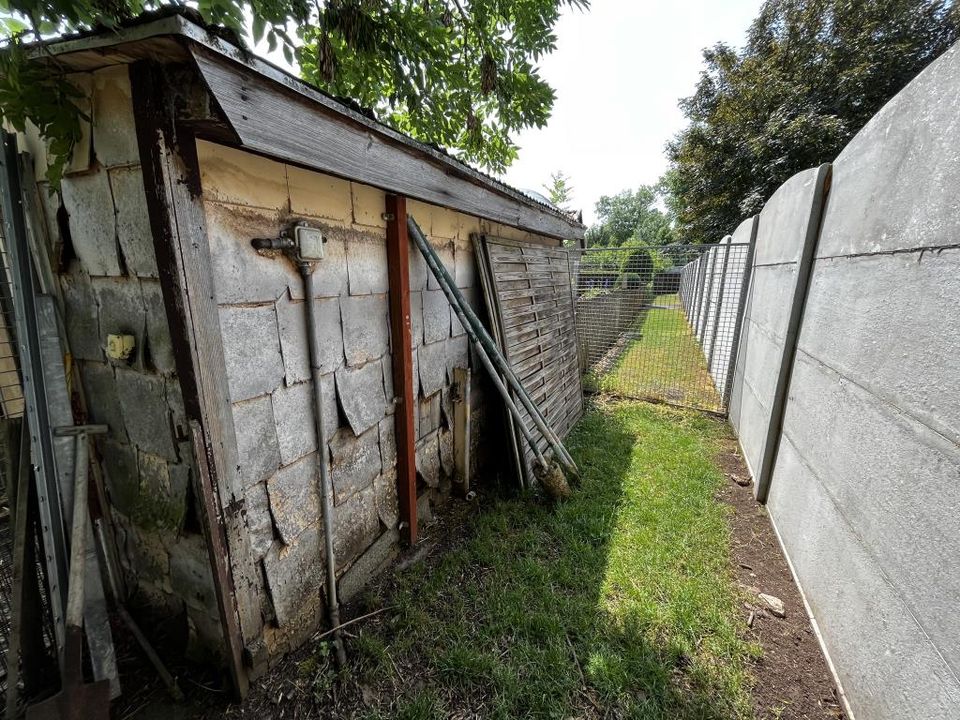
x,y
361,395
295,497
366,335
251,347
257,447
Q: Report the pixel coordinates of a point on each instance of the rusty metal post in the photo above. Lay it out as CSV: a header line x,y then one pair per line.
x,y
398,269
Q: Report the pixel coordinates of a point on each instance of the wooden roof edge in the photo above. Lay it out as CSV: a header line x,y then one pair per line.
x,y
178,26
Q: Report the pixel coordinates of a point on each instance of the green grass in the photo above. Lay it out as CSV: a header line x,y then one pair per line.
x,y
664,363
618,603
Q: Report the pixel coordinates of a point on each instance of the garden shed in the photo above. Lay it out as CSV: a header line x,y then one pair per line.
x,y
193,345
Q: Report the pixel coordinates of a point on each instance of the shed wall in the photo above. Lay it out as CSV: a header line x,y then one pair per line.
x,y
262,322
103,255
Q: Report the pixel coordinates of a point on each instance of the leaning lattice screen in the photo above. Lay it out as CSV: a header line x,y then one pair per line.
x,y
531,304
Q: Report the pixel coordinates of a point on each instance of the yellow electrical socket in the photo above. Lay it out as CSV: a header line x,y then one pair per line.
x,y
120,347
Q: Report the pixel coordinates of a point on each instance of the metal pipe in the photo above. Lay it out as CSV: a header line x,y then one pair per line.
x,y
455,297
326,489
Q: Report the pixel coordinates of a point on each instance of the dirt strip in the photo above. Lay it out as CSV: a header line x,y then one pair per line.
x,y
792,679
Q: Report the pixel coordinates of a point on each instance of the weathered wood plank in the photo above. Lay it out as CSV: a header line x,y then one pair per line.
x,y
271,119
534,313
178,224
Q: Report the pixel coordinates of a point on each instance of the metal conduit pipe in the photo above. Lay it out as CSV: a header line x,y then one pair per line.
x,y
290,244
326,488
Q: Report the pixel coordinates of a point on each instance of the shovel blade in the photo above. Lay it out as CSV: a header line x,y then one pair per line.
x,y
82,702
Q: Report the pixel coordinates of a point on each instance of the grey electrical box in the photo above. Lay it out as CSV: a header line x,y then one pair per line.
x,y
309,242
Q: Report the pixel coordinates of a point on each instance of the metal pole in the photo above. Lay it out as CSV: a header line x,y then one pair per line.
x,y
326,488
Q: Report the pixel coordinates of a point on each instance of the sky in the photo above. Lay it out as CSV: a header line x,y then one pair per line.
x,y
618,71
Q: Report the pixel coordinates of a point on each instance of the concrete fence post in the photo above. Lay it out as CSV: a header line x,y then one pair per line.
x,y
708,295
726,248
741,311
805,262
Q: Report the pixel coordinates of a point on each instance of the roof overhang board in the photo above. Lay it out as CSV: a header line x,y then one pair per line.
x,y
272,119
276,114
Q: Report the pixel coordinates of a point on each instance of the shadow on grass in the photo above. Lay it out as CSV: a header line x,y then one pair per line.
x,y
617,603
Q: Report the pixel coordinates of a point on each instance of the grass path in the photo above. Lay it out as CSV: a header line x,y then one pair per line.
x,y
665,362
618,603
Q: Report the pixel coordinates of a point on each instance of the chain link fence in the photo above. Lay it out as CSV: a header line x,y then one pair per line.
x,y
661,323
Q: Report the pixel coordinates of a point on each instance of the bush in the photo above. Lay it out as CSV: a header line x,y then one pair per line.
x,y
629,281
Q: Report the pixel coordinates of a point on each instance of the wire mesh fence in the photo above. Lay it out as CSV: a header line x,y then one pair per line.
x,y
661,323
11,406
37,641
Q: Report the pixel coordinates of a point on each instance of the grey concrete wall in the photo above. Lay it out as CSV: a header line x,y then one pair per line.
x,y
781,231
262,323
873,424
865,493
108,282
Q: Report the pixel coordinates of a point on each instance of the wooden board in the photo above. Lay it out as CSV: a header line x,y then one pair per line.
x,y
532,309
292,124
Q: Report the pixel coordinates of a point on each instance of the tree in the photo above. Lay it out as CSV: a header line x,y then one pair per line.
x,y
631,214
455,73
560,191
811,74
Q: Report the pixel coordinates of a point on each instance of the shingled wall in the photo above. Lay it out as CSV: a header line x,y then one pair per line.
x,y
103,255
262,322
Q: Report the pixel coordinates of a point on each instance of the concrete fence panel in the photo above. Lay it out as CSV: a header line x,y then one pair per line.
x,y
783,232
865,492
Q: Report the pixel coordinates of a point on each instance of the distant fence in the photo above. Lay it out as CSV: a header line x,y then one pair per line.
x,y
846,396
609,315
710,293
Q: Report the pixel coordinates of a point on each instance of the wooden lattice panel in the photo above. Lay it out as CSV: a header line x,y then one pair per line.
x,y
531,303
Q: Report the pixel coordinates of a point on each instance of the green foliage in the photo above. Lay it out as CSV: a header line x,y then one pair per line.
x,y
559,190
457,74
30,92
460,74
812,73
631,214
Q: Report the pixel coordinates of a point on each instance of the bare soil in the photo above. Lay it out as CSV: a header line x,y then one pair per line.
x,y
792,680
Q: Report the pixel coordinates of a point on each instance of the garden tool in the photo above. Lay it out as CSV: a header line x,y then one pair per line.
x,y
76,700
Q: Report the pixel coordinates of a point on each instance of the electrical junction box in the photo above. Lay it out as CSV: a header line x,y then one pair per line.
x,y
309,242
